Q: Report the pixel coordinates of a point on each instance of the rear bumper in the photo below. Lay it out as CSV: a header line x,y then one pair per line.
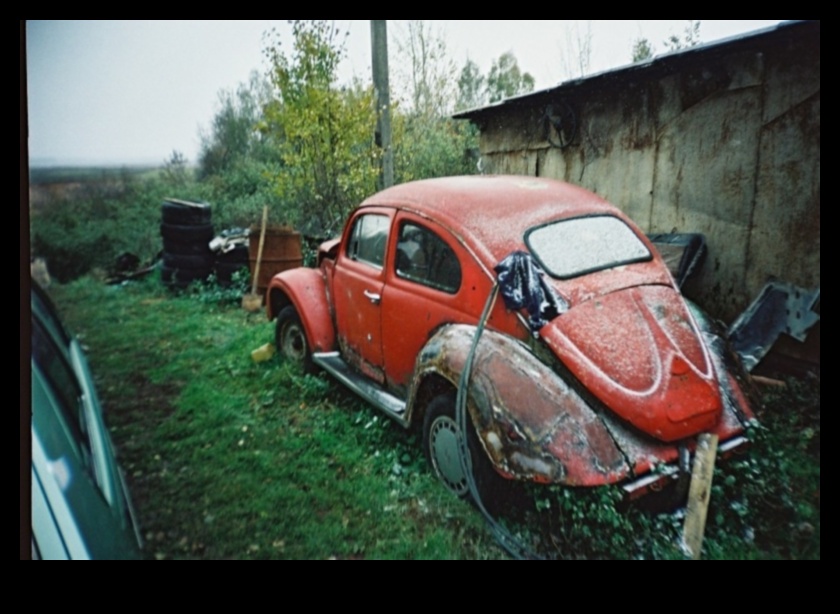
x,y
680,471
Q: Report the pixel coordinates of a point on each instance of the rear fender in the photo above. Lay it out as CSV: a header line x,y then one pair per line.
x,y
736,387
531,423
306,290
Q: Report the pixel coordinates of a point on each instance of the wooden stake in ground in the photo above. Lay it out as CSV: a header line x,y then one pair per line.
x,y
699,493
253,302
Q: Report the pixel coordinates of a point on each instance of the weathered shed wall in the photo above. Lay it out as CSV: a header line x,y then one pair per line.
x,y
724,140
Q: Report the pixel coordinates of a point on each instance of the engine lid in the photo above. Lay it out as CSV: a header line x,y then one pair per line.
x,y
639,351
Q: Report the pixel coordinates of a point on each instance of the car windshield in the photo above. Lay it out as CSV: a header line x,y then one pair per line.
x,y
577,246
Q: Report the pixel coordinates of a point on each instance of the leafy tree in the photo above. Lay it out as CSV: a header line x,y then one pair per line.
x,y
431,73
471,91
506,79
234,133
433,148
690,37
427,143
238,160
175,170
642,50
324,134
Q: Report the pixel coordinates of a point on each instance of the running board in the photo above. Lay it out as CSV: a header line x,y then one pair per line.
x,y
334,364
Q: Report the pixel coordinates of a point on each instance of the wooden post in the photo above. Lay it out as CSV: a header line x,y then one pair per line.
x,y
379,51
699,493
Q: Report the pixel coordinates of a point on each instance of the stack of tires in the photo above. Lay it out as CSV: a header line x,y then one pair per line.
x,y
186,231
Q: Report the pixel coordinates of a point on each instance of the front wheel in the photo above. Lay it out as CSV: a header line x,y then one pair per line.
x,y
290,337
441,447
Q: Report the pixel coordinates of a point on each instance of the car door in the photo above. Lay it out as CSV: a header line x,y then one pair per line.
x,y
431,281
358,284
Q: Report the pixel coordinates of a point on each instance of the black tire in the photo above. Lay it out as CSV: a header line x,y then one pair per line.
x,y
187,234
174,246
290,338
188,261
184,213
440,446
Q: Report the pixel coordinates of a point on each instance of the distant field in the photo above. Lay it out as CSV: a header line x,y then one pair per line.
x,y
58,183
82,174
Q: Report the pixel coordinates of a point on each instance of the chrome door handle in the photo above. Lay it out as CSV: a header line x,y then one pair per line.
x,y
372,297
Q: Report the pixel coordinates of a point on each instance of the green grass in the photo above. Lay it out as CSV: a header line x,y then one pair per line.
x,y
228,458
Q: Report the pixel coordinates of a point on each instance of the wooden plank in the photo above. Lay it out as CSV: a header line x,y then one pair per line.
x,y
699,493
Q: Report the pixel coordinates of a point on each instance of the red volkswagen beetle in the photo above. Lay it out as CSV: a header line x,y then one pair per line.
x,y
584,364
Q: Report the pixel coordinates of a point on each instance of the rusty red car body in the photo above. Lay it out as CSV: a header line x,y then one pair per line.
x,y
611,391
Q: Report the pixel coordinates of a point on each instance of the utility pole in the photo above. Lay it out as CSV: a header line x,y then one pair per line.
x,y
379,52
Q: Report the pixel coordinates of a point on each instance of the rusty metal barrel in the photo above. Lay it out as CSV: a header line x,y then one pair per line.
x,y
282,251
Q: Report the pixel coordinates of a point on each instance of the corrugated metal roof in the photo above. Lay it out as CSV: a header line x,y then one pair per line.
x,y
665,61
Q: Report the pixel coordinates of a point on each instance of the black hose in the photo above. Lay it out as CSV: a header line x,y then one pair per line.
x,y
508,541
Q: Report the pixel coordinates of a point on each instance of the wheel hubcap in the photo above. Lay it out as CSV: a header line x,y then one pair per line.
x,y
294,343
443,443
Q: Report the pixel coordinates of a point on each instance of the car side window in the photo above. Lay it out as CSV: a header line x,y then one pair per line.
x,y
54,364
368,239
423,257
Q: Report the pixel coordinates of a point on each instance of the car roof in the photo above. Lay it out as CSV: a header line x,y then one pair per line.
x,y
492,212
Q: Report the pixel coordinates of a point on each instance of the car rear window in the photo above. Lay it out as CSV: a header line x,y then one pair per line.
x,y
577,246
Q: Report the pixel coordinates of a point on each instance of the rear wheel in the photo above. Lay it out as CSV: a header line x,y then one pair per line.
x,y
441,446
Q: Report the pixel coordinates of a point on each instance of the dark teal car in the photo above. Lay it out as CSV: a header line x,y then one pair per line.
x,y
80,505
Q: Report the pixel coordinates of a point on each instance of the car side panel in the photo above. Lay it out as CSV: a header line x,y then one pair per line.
x,y
358,309
54,534
357,285
531,423
67,501
412,312
534,425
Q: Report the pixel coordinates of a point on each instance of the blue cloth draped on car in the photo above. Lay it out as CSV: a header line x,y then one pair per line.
x,y
522,286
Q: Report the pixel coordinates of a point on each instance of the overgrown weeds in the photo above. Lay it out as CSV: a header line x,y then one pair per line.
x,y
86,227
212,292
765,504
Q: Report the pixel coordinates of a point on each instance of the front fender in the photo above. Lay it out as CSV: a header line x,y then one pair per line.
x,y
306,290
532,424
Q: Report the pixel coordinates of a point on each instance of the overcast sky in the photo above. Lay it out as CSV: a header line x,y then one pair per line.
x,y
131,92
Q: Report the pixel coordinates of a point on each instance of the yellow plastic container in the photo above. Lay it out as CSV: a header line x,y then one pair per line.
x,y
263,353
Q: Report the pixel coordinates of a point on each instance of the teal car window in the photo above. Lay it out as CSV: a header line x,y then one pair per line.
x,y
53,363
